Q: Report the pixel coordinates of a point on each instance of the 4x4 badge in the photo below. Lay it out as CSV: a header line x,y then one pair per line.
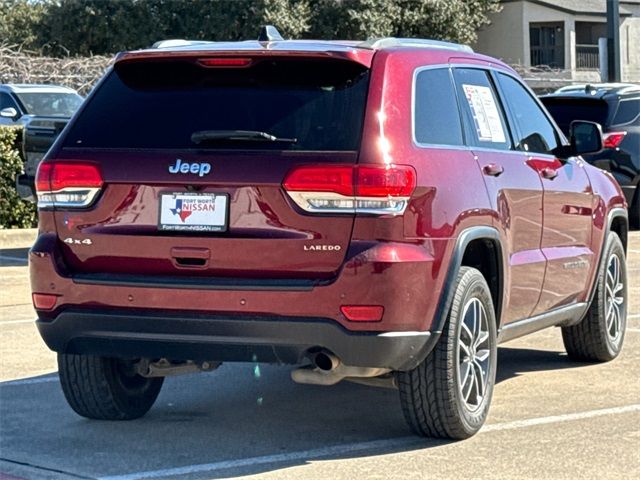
x,y
183,167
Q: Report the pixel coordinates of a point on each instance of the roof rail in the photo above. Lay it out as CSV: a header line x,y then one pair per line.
x,y
390,42
177,42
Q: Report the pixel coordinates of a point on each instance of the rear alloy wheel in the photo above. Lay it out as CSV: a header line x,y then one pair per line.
x,y
106,388
449,393
600,334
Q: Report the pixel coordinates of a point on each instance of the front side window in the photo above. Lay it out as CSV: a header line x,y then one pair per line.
x,y
484,119
50,104
536,133
437,120
6,101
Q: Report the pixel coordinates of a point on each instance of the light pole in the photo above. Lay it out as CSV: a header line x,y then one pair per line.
x,y
613,40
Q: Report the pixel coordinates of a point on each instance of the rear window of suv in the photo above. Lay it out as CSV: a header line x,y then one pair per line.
x,y
160,104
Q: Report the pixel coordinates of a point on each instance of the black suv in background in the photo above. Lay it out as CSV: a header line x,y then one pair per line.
x,y
615,106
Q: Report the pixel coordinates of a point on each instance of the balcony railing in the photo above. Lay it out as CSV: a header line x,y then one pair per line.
x,y
587,57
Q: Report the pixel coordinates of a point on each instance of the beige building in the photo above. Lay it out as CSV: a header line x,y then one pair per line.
x,y
563,35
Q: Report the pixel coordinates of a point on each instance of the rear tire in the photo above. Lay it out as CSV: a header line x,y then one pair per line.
x,y
106,388
449,393
600,334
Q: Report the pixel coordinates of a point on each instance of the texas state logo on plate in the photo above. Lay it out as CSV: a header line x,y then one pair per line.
x,y
193,211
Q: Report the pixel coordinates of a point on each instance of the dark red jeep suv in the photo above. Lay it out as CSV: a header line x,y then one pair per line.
x,y
385,212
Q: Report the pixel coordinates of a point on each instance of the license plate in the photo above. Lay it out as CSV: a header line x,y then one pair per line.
x,y
198,212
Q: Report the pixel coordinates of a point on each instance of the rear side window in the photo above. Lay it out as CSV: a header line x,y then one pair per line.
x,y
628,112
535,132
437,120
484,118
161,104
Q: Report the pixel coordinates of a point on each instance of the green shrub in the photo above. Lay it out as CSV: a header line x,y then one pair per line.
x,y
14,212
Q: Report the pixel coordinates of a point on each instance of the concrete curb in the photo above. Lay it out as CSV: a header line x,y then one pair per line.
x,y
18,237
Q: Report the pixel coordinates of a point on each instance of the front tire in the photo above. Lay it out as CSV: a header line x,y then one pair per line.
x,y
600,334
106,388
449,393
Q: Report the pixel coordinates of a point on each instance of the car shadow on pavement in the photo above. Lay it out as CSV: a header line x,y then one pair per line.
x,y
513,362
241,419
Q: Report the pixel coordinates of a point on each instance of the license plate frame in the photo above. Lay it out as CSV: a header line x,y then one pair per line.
x,y
209,212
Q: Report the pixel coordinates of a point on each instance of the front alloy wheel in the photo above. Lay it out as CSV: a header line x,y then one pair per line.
x,y
600,334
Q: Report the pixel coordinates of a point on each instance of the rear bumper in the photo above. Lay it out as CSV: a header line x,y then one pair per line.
x,y
284,340
230,320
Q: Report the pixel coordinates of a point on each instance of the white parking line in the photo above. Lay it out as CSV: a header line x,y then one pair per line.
x,y
358,447
11,322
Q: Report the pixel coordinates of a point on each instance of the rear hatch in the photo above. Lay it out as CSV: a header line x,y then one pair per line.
x,y
565,110
174,139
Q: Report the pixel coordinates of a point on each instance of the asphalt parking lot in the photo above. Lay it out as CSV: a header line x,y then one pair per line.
x,y
550,418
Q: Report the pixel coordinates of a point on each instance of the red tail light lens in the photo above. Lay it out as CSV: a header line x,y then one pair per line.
x,y
67,184
393,181
363,313
335,178
44,301
383,189
613,139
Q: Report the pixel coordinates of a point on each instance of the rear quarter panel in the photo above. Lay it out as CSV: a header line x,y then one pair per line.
x,y
450,196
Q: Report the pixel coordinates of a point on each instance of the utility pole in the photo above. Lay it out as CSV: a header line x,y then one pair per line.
x,y
613,40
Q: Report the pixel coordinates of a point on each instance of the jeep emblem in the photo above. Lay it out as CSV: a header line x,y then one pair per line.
x,y
183,167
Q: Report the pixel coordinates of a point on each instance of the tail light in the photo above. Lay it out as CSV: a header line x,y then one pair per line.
x,y
67,184
383,189
613,139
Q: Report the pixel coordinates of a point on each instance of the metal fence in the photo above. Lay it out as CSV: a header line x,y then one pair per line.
x,y
587,57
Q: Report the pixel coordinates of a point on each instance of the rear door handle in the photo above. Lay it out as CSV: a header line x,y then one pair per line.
x,y
549,173
493,169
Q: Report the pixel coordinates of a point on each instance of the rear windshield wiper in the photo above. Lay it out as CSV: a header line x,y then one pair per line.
x,y
205,136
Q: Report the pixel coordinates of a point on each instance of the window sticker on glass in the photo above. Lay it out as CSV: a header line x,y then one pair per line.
x,y
485,113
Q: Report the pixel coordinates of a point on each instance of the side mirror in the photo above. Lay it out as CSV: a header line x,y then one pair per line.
x,y
9,112
585,137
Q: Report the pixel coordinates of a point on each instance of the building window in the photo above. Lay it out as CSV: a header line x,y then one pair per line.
x,y
587,34
547,44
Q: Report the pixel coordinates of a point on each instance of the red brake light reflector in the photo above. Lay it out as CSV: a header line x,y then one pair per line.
x,y
225,62
44,301
613,139
362,313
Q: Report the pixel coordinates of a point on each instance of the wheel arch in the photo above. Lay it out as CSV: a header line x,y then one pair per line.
x,y
481,248
470,244
618,222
